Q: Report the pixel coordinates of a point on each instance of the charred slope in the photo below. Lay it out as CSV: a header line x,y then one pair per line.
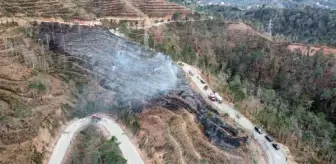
x,y
136,75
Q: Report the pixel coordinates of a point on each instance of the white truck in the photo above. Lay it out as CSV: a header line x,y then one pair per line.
x,y
215,97
218,98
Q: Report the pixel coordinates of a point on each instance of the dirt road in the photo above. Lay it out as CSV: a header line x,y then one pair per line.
x,y
274,156
127,148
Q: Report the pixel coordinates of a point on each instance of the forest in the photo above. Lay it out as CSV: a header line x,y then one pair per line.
x,y
304,24
297,93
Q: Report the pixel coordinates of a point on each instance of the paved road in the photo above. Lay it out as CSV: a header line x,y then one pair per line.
x,y
127,148
274,156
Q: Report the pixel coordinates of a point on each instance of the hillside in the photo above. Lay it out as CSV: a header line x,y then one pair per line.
x,y
187,144
33,93
276,3
57,72
52,72
304,24
90,9
292,90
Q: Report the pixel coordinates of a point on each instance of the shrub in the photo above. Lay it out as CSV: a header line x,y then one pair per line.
x,y
37,85
110,152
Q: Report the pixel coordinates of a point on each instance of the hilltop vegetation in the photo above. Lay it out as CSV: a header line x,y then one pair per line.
x,y
278,3
92,147
306,25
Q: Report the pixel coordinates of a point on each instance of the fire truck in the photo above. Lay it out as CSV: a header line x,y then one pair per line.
x,y
95,117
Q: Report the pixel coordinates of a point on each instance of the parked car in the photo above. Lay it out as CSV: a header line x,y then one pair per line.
x,y
269,138
191,73
95,117
276,146
202,81
258,129
206,87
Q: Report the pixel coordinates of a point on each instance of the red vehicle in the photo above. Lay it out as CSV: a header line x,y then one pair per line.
x,y
212,97
95,117
78,21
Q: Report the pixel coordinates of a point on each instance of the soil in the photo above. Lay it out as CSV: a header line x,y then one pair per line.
x,y
311,50
240,26
290,158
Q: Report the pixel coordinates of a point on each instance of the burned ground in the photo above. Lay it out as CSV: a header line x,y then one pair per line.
x,y
137,75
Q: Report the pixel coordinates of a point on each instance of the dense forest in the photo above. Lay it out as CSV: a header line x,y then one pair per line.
x,y
306,24
297,92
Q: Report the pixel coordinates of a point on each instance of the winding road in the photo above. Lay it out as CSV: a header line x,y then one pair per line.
x,y
127,148
273,156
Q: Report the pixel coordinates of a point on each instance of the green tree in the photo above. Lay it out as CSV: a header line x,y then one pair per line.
x,y
110,152
176,16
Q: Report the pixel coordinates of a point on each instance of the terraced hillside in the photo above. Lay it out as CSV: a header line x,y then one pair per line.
x,y
159,8
41,8
116,8
32,94
90,9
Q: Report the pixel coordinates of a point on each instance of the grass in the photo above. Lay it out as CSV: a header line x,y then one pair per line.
x,y
80,87
210,114
28,32
37,85
3,118
205,161
37,157
313,161
21,110
226,114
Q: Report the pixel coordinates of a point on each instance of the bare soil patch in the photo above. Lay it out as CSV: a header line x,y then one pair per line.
x,y
311,50
176,137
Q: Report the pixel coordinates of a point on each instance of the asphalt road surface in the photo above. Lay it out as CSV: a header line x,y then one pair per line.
x,y
127,148
274,156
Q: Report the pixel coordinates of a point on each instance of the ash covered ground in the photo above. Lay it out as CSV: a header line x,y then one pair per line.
x,y
136,74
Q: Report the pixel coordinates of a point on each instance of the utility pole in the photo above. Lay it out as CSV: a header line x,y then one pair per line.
x,y
146,38
269,30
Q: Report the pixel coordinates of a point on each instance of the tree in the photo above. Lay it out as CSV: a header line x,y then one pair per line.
x,y
176,16
110,152
188,54
268,95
